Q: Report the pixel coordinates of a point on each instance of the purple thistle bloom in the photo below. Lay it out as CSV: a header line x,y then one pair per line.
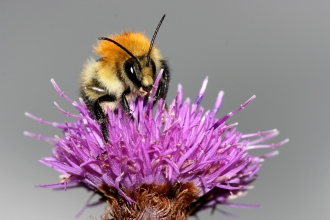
x,y
168,164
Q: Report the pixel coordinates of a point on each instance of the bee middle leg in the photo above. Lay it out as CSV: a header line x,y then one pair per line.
x,y
101,116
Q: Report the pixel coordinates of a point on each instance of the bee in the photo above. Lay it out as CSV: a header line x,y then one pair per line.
x,y
127,68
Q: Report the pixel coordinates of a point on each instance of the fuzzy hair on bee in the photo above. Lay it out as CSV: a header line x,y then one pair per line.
x,y
127,68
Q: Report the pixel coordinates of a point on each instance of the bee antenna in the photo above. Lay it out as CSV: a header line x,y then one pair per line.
x,y
122,47
153,39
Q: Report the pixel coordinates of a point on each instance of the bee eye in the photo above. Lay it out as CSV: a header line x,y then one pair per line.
x,y
132,72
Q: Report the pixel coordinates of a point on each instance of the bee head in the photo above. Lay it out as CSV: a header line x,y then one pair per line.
x,y
140,70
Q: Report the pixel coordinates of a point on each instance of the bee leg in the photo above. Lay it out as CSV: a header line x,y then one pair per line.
x,y
101,117
125,104
162,87
105,134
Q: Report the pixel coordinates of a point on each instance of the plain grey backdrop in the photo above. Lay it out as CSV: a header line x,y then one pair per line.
x,y
276,50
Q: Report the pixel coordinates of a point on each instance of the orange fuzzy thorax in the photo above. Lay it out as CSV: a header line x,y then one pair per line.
x,y
136,42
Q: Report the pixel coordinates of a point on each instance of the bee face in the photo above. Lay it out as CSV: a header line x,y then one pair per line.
x,y
127,69
143,75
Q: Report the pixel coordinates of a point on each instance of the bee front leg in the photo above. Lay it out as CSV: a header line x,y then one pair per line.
x,y
125,104
162,86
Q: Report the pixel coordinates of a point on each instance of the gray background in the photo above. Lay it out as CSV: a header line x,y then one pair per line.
x,y
278,51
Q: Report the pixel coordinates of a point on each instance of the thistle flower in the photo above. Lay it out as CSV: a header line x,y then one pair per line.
x,y
167,164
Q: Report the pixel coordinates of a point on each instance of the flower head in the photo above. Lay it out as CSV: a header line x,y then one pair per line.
x,y
166,164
